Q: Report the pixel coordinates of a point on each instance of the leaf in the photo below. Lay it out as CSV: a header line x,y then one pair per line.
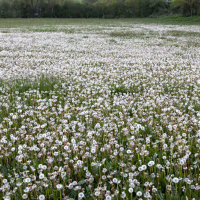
x,y
5,170
160,196
81,182
73,193
87,189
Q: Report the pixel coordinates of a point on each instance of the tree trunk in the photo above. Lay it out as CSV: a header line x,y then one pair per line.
x,y
191,5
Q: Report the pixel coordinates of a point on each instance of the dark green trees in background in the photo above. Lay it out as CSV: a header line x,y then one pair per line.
x,y
96,8
187,7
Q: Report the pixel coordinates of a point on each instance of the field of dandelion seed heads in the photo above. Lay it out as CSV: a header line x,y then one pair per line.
x,y
100,111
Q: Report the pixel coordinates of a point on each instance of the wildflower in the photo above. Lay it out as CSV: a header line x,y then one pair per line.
x,y
116,192
132,185
144,167
170,127
27,180
139,193
151,163
123,195
74,183
169,187
97,193
6,198
130,190
154,190
5,181
41,197
24,196
81,195
59,186
70,186
108,197
104,170
181,162
128,151
159,166
26,189
41,176
115,180
175,180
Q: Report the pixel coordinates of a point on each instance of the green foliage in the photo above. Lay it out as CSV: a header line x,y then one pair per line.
x,y
187,7
81,8
5,10
96,8
127,34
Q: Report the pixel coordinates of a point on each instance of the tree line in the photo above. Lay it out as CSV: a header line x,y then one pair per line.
x,y
96,8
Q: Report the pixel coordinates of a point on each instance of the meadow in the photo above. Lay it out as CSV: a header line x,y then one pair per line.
x,y
99,109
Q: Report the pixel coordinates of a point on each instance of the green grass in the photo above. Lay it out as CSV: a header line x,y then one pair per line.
x,y
5,31
178,18
112,41
43,84
50,30
172,19
176,33
127,34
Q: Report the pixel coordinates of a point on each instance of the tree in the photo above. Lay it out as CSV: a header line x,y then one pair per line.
x,y
157,5
186,6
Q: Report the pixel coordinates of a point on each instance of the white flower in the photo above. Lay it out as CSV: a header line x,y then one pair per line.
x,y
115,180
81,195
5,181
93,150
13,149
132,185
121,149
144,167
108,197
175,180
41,197
18,184
27,180
164,157
123,195
130,190
151,163
140,169
59,186
55,153
147,195
159,166
104,170
97,193
70,186
6,198
24,196
182,162
41,176
74,183
139,193
154,189
26,189
184,134
129,151
170,127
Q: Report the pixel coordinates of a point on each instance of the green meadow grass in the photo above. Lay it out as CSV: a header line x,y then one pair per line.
x,y
173,19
